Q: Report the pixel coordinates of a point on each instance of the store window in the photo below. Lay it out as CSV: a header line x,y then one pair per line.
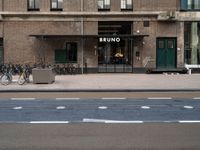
x,y
103,5
67,55
56,5
33,5
1,50
192,43
126,4
192,5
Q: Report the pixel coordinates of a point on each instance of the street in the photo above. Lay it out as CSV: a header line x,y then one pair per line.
x,y
118,121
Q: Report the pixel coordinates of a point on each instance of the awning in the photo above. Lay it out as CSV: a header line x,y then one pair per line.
x,y
51,36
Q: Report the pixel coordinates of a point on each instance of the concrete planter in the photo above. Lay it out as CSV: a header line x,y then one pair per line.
x,y
43,76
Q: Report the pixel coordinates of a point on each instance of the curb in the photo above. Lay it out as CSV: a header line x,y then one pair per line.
x,y
99,90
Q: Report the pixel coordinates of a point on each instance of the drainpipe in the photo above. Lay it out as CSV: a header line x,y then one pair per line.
x,y
82,41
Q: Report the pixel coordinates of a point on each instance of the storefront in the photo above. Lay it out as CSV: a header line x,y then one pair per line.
x,y
109,51
115,46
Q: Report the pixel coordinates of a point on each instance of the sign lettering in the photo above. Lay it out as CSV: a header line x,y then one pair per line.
x,y
109,39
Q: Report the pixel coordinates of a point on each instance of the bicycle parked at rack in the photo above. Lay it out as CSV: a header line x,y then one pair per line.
x,y
24,75
6,77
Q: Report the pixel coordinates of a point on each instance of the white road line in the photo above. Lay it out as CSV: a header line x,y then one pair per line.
x,y
159,97
122,122
61,107
23,99
109,121
189,121
68,98
17,108
93,120
103,107
188,107
49,122
196,98
113,98
145,107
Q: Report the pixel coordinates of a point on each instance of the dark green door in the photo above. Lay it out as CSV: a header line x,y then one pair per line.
x,y
166,53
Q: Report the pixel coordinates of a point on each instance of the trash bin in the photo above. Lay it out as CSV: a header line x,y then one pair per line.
x,y
45,76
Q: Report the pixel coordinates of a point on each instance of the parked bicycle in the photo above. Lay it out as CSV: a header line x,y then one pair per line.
x,y
6,77
24,75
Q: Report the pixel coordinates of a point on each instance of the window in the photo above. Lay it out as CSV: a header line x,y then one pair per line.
x,y
126,4
103,4
161,44
190,4
192,43
56,5
197,4
146,23
33,5
67,55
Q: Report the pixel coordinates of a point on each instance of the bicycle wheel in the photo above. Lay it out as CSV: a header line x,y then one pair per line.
x,y
21,80
5,80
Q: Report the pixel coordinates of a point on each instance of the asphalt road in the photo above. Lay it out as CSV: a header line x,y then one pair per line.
x,y
100,136
105,110
166,122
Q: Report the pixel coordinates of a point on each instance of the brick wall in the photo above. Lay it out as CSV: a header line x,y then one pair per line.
x,y
148,47
20,47
91,5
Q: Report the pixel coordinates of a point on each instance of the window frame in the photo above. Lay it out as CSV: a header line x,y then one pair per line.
x,y
57,8
35,8
104,5
185,5
126,5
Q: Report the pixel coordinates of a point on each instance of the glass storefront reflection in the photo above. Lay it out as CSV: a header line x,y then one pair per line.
x,y
192,43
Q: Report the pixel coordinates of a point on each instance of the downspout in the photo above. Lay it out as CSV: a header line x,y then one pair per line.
x,y
82,41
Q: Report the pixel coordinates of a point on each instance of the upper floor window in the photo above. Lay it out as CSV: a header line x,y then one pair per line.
x,y
190,4
126,4
33,5
103,4
56,5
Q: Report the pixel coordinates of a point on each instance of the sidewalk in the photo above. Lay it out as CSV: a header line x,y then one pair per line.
x,y
113,82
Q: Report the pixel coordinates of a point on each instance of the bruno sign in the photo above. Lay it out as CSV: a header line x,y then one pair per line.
x,y
109,39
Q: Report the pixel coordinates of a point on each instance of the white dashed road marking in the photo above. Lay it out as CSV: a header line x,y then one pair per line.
x,y
189,121
17,108
72,98
23,99
109,121
48,122
103,107
113,98
60,107
159,98
196,98
188,107
145,107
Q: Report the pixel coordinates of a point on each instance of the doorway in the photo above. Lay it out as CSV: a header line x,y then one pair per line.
x,y
166,53
114,49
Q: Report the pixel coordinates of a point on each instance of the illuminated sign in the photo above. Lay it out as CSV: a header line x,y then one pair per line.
x,y
109,39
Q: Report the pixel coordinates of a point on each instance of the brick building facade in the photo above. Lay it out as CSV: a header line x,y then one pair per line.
x,y
104,35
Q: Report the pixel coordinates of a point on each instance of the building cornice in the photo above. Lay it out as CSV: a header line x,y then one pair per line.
x,y
80,14
94,16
